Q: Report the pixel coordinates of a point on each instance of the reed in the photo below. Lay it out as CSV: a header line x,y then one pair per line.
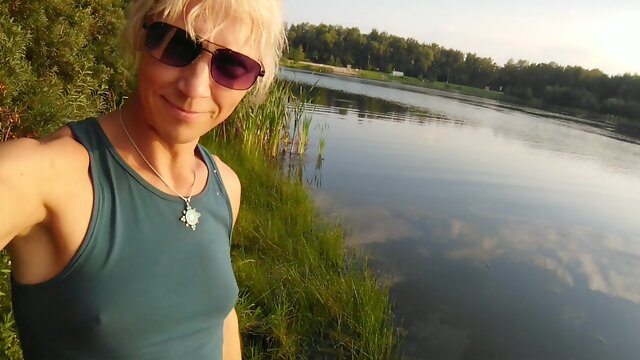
x,y
303,293
278,125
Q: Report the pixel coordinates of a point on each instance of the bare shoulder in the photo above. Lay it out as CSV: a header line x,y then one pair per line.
x,y
41,157
231,183
62,156
44,166
229,177
68,159
36,174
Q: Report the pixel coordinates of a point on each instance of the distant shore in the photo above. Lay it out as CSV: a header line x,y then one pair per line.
x,y
458,92
377,77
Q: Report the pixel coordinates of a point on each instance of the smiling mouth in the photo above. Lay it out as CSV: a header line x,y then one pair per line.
x,y
182,109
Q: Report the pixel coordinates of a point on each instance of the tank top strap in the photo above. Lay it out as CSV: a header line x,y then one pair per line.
x,y
85,132
89,133
91,136
215,172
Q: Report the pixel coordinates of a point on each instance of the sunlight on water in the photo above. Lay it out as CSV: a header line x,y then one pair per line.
x,y
507,234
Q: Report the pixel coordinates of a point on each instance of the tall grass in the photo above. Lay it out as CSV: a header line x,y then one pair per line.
x,y
278,125
304,295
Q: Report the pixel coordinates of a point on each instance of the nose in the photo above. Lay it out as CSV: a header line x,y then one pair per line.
x,y
195,79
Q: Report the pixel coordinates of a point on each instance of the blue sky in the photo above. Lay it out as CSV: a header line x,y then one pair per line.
x,y
589,33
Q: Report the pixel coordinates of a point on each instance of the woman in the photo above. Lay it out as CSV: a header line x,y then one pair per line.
x,y
119,227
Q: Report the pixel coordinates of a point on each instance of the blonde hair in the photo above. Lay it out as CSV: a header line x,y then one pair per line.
x,y
264,17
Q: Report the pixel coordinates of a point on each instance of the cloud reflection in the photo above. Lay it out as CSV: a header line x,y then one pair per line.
x,y
555,267
366,225
576,255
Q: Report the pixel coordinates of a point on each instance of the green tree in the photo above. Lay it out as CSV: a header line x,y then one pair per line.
x,y
549,83
297,53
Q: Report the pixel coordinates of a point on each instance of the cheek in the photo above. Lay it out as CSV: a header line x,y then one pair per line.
x,y
228,100
152,75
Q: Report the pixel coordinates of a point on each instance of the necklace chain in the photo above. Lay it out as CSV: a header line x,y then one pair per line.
x,y
187,200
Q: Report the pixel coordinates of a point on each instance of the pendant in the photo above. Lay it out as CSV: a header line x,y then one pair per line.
x,y
190,216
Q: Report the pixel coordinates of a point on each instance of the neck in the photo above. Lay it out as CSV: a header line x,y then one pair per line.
x,y
174,162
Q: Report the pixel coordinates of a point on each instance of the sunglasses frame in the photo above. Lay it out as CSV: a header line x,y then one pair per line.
x,y
198,41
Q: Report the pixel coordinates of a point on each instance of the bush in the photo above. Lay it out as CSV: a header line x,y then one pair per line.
x,y
60,62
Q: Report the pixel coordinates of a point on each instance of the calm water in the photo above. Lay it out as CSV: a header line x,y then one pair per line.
x,y
506,234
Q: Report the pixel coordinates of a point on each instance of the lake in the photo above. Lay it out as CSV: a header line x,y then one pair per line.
x,y
505,233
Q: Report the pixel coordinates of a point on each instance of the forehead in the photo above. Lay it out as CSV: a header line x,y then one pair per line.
x,y
231,32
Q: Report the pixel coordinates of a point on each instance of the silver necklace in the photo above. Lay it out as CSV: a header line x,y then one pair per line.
x,y
190,216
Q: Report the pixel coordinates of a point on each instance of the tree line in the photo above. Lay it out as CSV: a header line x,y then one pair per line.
x,y
547,84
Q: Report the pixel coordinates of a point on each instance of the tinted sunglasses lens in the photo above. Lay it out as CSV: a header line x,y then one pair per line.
x,y
171,45
234,70
156,33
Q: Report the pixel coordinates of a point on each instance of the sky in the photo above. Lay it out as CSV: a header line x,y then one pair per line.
x,y
590,33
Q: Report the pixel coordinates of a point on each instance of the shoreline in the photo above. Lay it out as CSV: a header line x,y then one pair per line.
x,y
464,93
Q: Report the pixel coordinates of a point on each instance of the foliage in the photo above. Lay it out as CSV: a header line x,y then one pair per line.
x,y
296,54
59,61
9,343
572,87
549,84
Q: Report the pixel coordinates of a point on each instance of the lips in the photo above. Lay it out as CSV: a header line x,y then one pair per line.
x,y
181,109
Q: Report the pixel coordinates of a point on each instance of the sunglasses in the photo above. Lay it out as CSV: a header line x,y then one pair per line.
x,y
173,46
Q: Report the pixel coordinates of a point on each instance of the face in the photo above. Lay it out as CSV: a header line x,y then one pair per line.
x,y
183,103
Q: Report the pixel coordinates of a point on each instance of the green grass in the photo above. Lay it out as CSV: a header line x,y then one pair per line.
x,y
436,85
303,293
375,75
406,80
9,344
309,67
278,125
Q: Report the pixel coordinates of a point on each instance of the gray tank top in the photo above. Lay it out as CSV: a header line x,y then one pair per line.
x,y
142,285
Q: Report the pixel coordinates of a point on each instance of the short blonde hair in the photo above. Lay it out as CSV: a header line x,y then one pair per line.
x,y
267,27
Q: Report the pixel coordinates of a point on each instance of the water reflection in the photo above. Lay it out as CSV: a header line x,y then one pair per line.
x,y
525,290
506,234
364,107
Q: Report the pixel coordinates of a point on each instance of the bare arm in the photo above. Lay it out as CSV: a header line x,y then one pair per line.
x,y
24,169
231,349
231,345
231,184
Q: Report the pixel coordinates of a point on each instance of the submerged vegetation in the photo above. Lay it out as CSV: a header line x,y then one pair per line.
x,y
303,293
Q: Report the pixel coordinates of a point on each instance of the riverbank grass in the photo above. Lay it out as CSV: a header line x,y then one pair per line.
x,y
405,80
303,294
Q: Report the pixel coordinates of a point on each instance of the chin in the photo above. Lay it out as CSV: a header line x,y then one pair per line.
x,y
178,134
181,130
